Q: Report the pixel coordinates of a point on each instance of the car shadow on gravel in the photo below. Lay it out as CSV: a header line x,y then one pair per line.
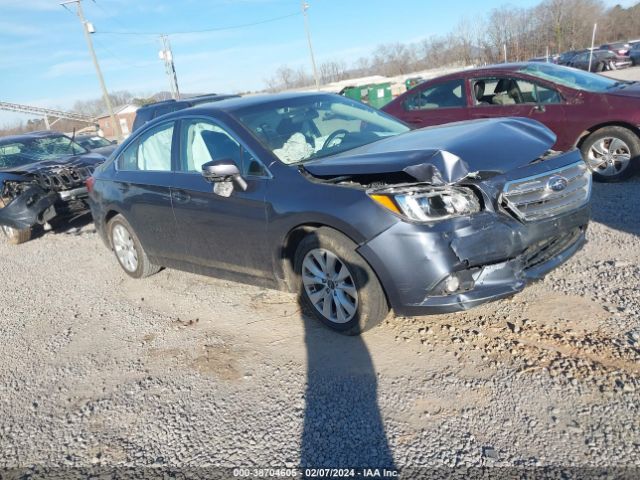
x,y
612,204
69,226
343,426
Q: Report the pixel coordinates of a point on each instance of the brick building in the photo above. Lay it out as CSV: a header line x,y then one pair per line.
x,y
125,114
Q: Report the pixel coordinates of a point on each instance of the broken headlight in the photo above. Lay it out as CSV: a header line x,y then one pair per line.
x,y
428,204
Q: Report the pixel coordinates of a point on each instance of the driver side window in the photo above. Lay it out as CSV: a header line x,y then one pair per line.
x,y
512,91
203,141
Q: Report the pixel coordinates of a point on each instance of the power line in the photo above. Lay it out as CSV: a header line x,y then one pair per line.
x,y
119,22
119,58
206,30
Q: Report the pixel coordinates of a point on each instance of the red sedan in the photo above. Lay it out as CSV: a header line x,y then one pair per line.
x,y
596,114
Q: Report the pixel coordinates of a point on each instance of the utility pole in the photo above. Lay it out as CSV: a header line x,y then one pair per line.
x,y
593,41
305,7
166,54
87,35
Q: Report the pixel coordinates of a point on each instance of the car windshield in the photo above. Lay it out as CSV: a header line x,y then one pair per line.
x,y
30,150
301,129
93,142
571,77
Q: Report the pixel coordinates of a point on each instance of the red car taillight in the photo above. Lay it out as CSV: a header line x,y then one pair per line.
x,y
90,182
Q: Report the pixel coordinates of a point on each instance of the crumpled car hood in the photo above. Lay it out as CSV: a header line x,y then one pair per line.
x,y
446,153
86,160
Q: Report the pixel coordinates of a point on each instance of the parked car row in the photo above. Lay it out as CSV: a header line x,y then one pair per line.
x,y
608,56
595,60
597,114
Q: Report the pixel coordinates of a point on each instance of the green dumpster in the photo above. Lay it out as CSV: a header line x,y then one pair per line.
x,y
379,95
355,93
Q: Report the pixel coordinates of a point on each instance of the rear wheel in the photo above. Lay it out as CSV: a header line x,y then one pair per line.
x,y
611,153
15,236
128,249
337,285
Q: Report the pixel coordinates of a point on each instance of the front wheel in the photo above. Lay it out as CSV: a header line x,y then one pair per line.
x,y
337,285
611,153
15,236
128,249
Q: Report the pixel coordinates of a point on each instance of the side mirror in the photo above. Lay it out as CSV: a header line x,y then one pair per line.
x,y
218,171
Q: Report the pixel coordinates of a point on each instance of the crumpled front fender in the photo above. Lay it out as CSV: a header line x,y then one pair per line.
x,y
26,209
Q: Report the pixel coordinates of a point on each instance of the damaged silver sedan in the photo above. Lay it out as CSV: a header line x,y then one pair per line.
x,y
42,177
343,204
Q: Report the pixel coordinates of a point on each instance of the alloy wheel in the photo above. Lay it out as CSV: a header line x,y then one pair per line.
x,y
329,285
125,248
609,156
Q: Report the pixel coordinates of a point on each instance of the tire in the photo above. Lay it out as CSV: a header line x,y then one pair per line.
x,y
14,236
128,249
600,67
369,305
611,153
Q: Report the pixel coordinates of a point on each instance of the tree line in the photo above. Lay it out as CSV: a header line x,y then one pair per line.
x,y
552,25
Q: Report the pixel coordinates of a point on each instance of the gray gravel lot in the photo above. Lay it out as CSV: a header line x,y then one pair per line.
x,y
184,371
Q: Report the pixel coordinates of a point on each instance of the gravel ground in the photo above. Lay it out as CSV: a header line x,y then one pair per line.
x,y
181,371
632,73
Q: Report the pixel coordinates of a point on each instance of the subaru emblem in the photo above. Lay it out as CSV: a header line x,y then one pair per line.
x,y
557,183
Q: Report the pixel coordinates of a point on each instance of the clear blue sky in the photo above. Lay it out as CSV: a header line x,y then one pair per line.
x,y
44,59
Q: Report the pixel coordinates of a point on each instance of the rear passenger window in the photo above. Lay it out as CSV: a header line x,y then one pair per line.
x,y
151,152
443,95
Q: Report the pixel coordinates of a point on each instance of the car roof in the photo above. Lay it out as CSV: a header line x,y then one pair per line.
x,y
237,103
30,135
186,100
496,68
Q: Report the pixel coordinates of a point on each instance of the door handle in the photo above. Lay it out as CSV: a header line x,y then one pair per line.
x,y
538,109
181,197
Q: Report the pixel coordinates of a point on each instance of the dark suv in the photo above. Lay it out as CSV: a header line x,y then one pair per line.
x,y
154,110
331,198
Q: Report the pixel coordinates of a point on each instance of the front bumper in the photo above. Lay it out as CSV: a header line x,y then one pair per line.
x,y
37,206
73,194
501,254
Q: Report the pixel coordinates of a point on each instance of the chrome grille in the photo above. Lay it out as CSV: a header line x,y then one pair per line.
x,y
64,178
549,194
